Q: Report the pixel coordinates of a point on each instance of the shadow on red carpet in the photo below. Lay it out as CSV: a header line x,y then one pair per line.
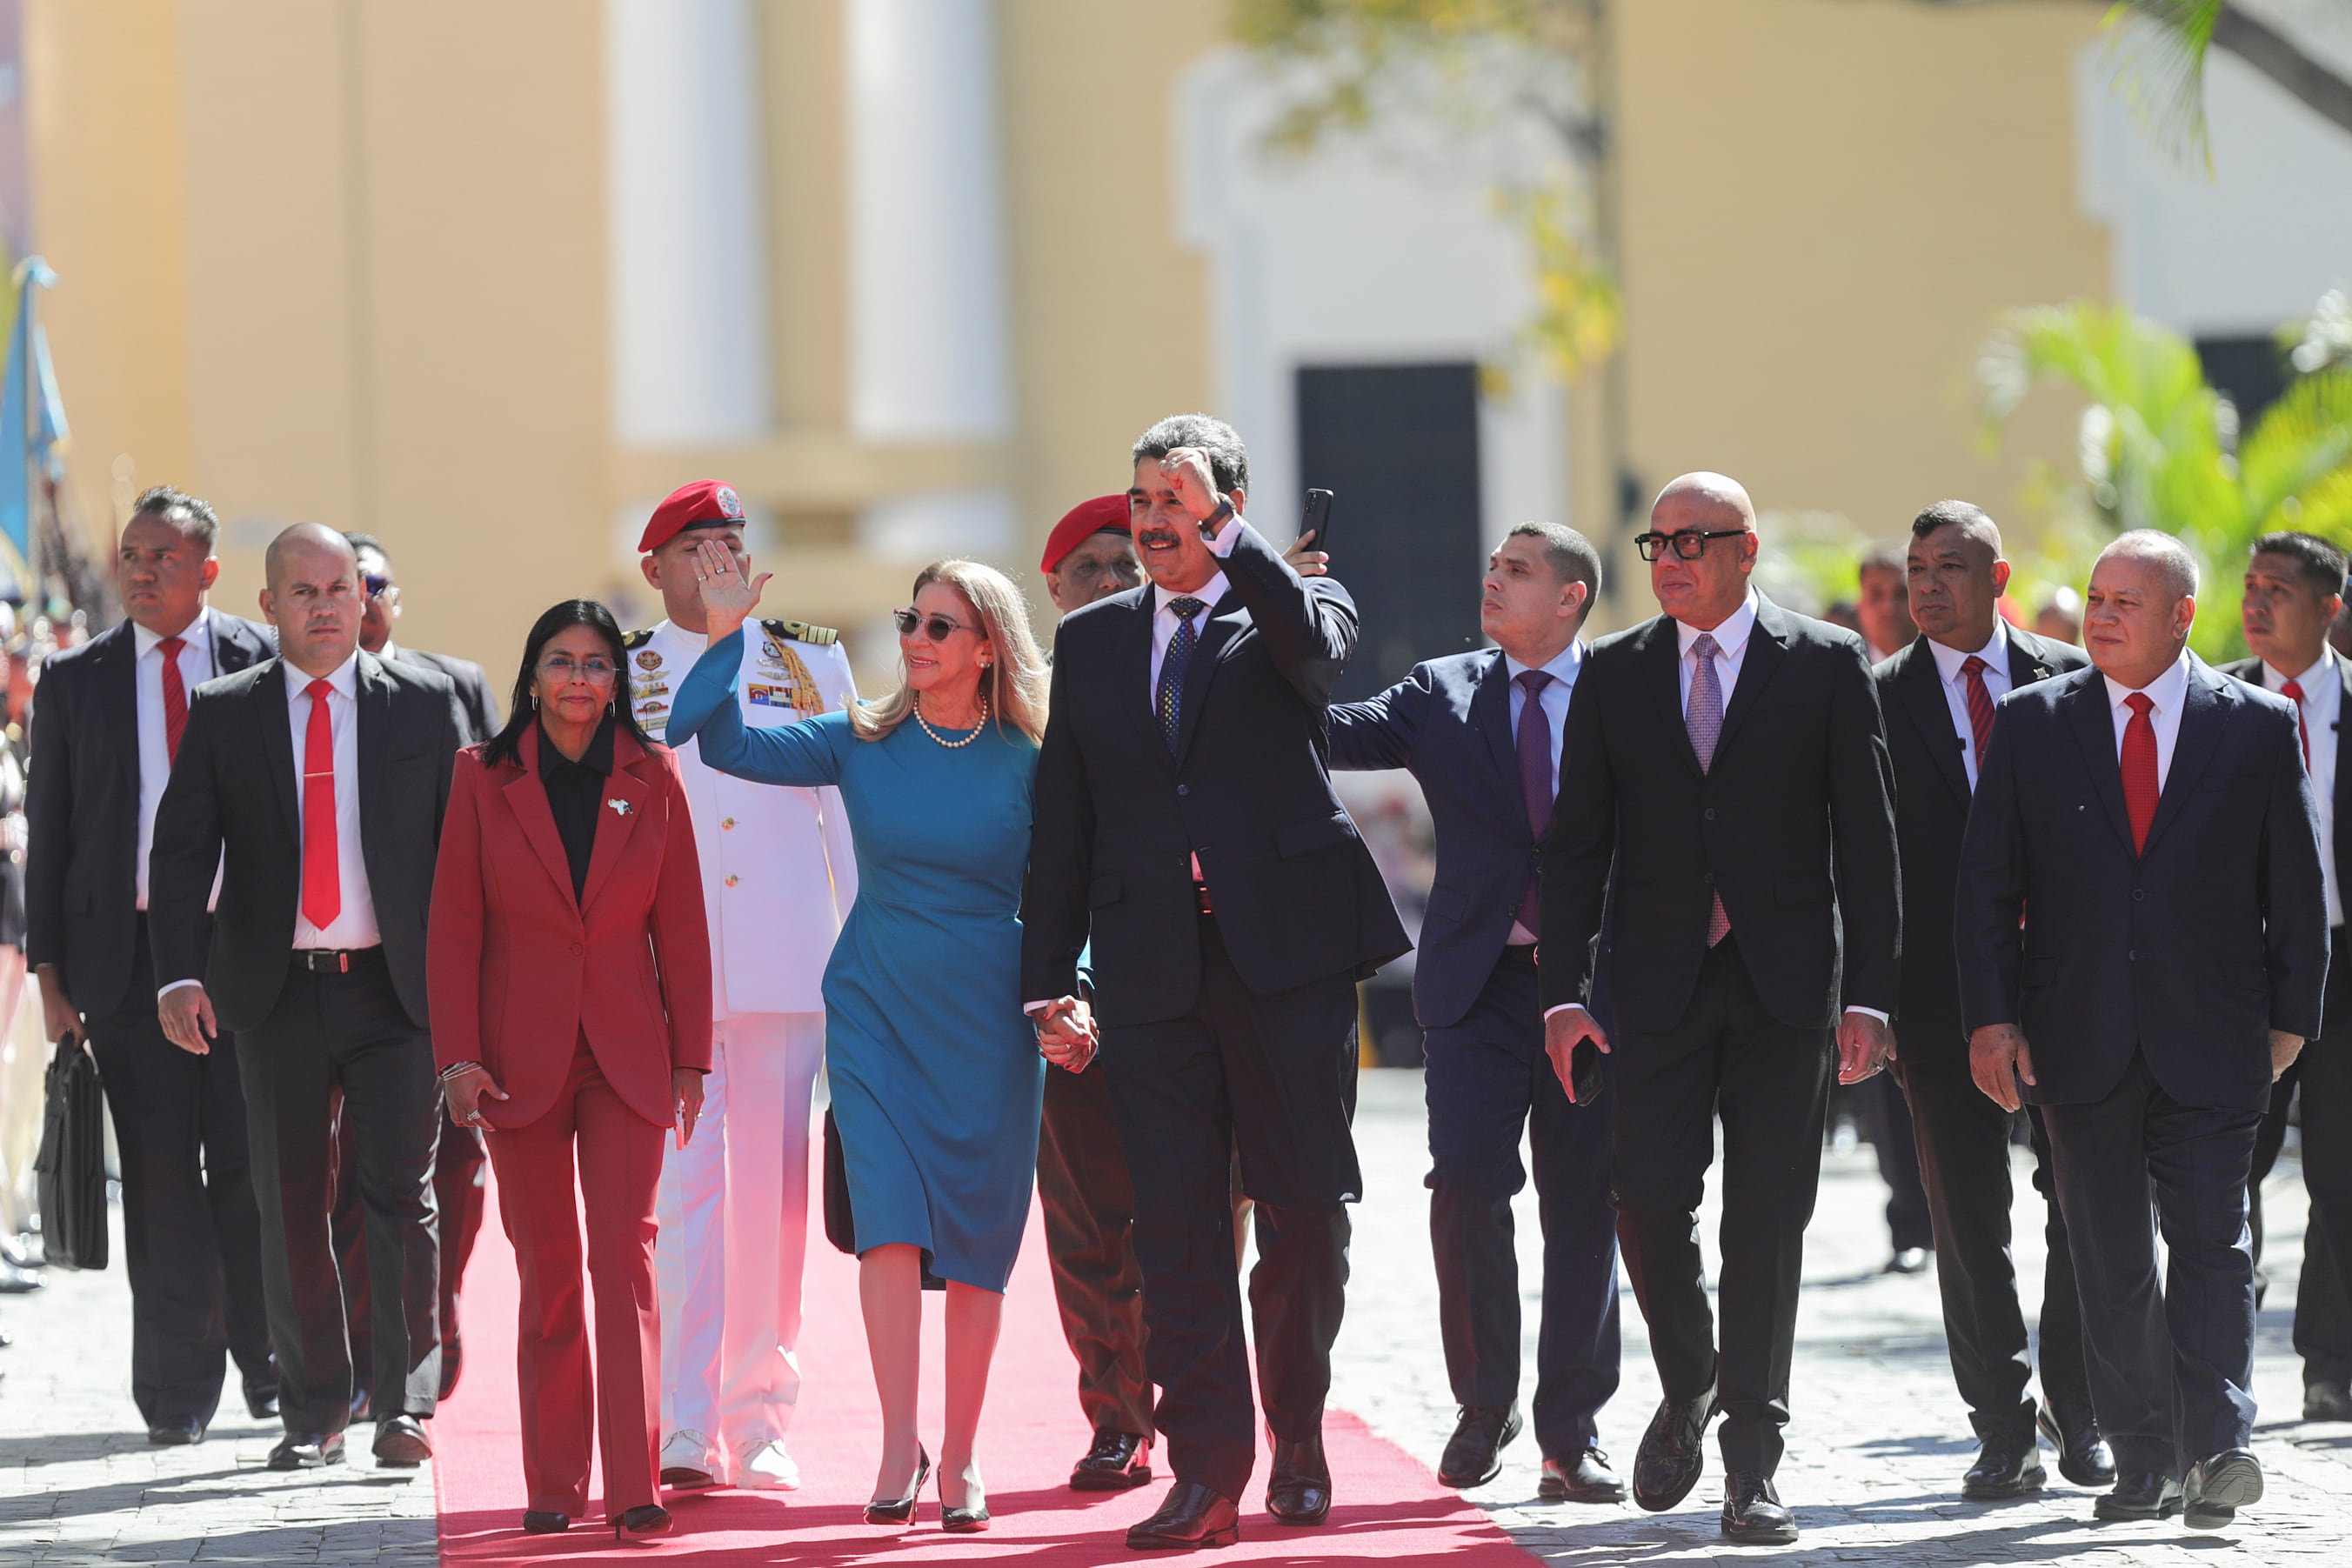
x,y
1389,1507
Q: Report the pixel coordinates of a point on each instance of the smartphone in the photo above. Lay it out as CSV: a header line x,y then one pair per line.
x,y
1317,518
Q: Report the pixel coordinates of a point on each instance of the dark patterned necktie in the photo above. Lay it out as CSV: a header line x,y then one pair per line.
x,y
1167,701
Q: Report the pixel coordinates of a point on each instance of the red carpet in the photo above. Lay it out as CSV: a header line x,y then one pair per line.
x,y
1389,1507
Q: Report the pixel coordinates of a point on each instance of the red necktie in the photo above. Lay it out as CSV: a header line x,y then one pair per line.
x,y
2139,768
322,893
176,697
2292,692
1979,705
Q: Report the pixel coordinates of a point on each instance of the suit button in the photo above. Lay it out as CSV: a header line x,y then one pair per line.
x,y
2132,956
1707,877
576,949
2139,894
1709,814
1184,788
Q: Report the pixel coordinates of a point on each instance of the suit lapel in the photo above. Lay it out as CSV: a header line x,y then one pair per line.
x,y
2203,716
1767,645
2026,665
1138,694
1662,647
615,824
374,720
527,798
1490,716
2095,731
1921,682
1224,624
118,680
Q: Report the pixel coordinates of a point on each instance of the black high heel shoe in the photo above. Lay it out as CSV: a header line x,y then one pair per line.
x,y
961,1521
903,1510
646,1518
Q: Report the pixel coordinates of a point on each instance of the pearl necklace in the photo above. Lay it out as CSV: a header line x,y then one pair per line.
x,y
935,734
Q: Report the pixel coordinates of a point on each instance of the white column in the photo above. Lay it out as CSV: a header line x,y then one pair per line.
x,y
687,222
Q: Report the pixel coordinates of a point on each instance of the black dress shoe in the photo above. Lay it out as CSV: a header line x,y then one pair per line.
x,y
1120,1461
1587,1478
401,1442
2084,1456
1672,1455
646,1518
1190,1516
2005,1468
1298,1487
2218,1485
1753,1514
307,1451
1908,1260
2326,1401
261,1399
1474,1455
2139,1494
453,1361
545,1522
176,1434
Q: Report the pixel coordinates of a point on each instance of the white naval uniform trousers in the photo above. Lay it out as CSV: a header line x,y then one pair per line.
x,y
733,1205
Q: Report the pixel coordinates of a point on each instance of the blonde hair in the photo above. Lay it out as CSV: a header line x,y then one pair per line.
x,y
1014,681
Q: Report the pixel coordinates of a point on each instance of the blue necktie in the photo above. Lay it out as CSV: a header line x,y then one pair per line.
x,y
1167,701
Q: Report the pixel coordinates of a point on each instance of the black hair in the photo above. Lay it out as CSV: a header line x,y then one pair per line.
x,y
161,501
522,711
1568,553
1943,514
1216,441
359,541
2318,562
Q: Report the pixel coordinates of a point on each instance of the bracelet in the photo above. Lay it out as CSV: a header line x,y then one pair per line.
x,y
459,1070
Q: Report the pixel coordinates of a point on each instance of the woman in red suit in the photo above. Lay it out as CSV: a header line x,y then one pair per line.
x,y
570,970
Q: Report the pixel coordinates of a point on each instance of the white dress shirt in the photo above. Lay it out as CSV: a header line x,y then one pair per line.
x,y
1165,621
2323,708
1563,670
1949,661
354,922
154,748
1730,649
2167,692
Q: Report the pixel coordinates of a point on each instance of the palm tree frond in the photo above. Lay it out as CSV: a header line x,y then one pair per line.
x,y
2158,48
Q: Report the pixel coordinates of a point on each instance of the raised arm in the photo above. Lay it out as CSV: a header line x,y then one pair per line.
x,y
1309,627
705,711
1383,731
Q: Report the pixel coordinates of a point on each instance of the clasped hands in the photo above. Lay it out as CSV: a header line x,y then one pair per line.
x,y
1066,1035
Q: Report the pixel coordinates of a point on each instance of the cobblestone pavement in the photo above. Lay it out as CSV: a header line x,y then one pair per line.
x,y
1878,1439
1876,1449
79,1482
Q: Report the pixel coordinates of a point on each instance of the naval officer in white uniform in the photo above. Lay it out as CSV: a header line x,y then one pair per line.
x,y
778,878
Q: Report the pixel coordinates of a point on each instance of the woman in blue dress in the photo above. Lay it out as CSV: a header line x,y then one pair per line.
x,y
937,1076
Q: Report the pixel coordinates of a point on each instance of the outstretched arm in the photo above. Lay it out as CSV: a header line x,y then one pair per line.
x,y
1383,731
705,711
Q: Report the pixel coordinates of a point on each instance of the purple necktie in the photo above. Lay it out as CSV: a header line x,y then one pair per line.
x,y
1535,779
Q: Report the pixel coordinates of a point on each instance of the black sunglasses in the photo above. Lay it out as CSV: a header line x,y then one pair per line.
x,y
1689,544
375,585
938,628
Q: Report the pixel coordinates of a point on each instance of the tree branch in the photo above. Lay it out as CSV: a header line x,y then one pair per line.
x,y
2278,57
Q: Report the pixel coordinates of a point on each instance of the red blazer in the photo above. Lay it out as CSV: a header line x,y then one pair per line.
x,y
517,968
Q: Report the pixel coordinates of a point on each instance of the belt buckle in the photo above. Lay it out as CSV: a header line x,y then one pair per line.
x,y
315,959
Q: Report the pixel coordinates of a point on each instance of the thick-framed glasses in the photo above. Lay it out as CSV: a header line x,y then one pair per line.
x,y
595,671
938,628
375,585
1690,543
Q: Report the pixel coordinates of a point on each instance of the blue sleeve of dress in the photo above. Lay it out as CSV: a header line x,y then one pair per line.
x,y
805,753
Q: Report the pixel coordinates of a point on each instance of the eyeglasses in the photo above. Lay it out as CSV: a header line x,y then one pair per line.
x,y
375,585
595,671
938,628
1689,544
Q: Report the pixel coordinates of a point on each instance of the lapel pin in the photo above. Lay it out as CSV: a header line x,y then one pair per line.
x,y
620,808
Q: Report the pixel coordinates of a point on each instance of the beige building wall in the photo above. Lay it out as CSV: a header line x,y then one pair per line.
x,y
1826,205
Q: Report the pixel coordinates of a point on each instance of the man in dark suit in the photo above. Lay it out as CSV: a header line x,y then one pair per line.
x,y
2293,591
110,719
1726,760
1480,732
2150,822
1939,697
1184,819
459,1160
323,775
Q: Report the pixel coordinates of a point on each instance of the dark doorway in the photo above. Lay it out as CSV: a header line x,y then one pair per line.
x,y
1398,446
2249,372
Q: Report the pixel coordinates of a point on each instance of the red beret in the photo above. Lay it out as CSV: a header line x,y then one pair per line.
x,y
1103,515
706,503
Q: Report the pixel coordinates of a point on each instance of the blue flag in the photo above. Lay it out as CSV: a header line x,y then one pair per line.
x,y
32,420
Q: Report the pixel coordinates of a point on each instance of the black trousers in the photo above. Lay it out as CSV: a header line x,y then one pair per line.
x,y
1488,1080
1089,1213
459,1162
345,1032
2171,1369
2322,1074
1886,1122
1275,1076
1964,1143
192,1237
1769,1082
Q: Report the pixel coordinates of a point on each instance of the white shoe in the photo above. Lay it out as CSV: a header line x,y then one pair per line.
x,y
690,1462
766,1465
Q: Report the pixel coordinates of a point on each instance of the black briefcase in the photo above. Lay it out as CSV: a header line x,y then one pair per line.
x,y
72,1162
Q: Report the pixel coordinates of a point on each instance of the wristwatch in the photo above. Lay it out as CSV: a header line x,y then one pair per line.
x,y
1218,518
